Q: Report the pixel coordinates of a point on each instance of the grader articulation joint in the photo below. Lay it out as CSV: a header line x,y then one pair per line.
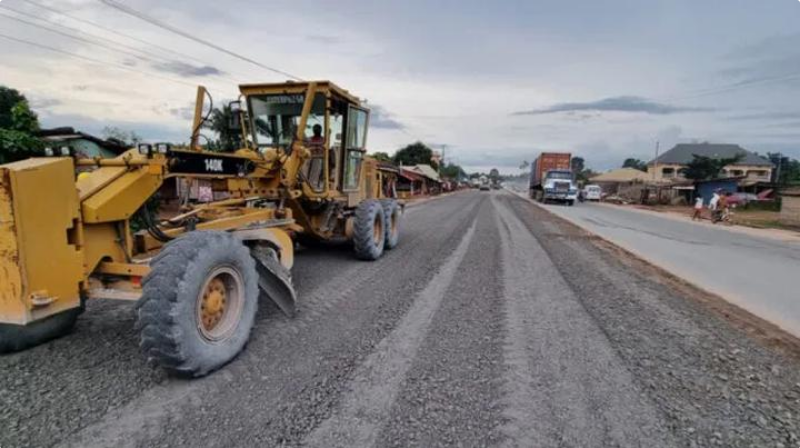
x,y
76,229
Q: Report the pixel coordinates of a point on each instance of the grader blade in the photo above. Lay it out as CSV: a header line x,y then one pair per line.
x,y
274,280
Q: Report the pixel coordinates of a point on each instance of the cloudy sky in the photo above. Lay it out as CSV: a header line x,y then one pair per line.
x,y
495,81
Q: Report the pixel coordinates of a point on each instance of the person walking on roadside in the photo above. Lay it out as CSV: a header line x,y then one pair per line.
x,y
698,209
713,206
724,207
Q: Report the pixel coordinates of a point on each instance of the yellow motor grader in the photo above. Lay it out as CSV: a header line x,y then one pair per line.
x,y
74,229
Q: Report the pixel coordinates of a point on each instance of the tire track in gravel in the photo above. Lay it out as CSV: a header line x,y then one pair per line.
x,y
448,395
714,385
287,379
565,385
374,387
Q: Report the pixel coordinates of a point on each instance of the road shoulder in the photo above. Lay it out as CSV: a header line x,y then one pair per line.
x,y
762,330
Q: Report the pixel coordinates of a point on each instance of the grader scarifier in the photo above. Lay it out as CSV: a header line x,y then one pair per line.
x,y
67,226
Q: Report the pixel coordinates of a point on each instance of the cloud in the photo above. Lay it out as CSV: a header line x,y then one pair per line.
x,y
183,69
380,118
632,104
44,103
777,115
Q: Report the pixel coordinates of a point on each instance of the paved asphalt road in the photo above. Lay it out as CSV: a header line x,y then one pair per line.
x,y
757,273
492,324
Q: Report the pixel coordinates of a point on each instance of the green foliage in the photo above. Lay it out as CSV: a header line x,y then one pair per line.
x,y
228,139
18,123
704,168
787,170
524,165
17,145
8,99
23,119
414,154
452,171
635,164
577,164
128,138
381,156
582,174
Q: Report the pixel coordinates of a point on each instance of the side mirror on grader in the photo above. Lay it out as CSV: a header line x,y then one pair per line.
x,y
302,173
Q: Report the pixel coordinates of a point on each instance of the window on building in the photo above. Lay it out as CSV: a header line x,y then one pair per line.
x,y
668,172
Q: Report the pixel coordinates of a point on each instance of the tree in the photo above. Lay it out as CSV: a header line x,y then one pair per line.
x,y
452,171
18,125
381,156
578,164
704,168
786,170
414,154
128,138
228,139
8,99
524,165
635,164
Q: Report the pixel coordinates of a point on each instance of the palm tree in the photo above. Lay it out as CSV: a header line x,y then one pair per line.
x,y
228,139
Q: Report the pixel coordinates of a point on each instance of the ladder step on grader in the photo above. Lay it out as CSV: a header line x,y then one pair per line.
x,y
74,229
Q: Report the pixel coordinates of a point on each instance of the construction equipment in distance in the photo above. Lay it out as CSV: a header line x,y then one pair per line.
x,y
67,225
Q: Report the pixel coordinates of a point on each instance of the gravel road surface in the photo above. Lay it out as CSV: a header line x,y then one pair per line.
x,y
494,323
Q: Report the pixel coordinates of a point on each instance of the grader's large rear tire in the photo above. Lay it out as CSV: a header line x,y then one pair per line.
x,y
198,303
369,235
392,214
14,338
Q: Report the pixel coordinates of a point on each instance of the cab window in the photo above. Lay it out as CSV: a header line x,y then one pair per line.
x,y
356,139
276,117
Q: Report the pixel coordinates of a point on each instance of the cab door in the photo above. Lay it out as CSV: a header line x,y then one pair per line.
x,y
354,150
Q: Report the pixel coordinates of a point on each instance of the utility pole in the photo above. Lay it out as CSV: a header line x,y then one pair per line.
x,y
441,162
655,161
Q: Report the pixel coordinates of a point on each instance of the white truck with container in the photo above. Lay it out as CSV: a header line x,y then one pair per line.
x,y
552,179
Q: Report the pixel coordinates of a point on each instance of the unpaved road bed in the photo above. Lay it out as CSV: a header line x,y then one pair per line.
x,y
492,324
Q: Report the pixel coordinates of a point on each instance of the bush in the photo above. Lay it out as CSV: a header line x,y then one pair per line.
x,y
18,145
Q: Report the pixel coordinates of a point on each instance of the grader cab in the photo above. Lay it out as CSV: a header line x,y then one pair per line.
x,y
73,229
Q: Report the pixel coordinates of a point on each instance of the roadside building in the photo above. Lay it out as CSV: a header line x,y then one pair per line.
x,y
84,145
790,207
672,164
418,180
612,182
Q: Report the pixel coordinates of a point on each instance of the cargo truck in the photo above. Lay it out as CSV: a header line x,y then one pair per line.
x,y
552,179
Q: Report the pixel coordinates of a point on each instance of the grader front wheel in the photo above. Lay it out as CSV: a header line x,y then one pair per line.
x,y
369,236
198,303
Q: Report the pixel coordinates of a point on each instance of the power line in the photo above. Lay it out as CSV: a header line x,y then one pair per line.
x,y
81,39
95,38
738,86
111,30
97,61
160,24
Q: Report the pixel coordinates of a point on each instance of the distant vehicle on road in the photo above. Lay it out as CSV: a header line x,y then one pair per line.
x,y
552,179
592,193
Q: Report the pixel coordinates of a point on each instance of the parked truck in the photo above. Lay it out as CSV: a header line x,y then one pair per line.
x,y
552,178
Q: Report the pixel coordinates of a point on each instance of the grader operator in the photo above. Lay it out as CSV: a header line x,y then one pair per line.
x,y
196,276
